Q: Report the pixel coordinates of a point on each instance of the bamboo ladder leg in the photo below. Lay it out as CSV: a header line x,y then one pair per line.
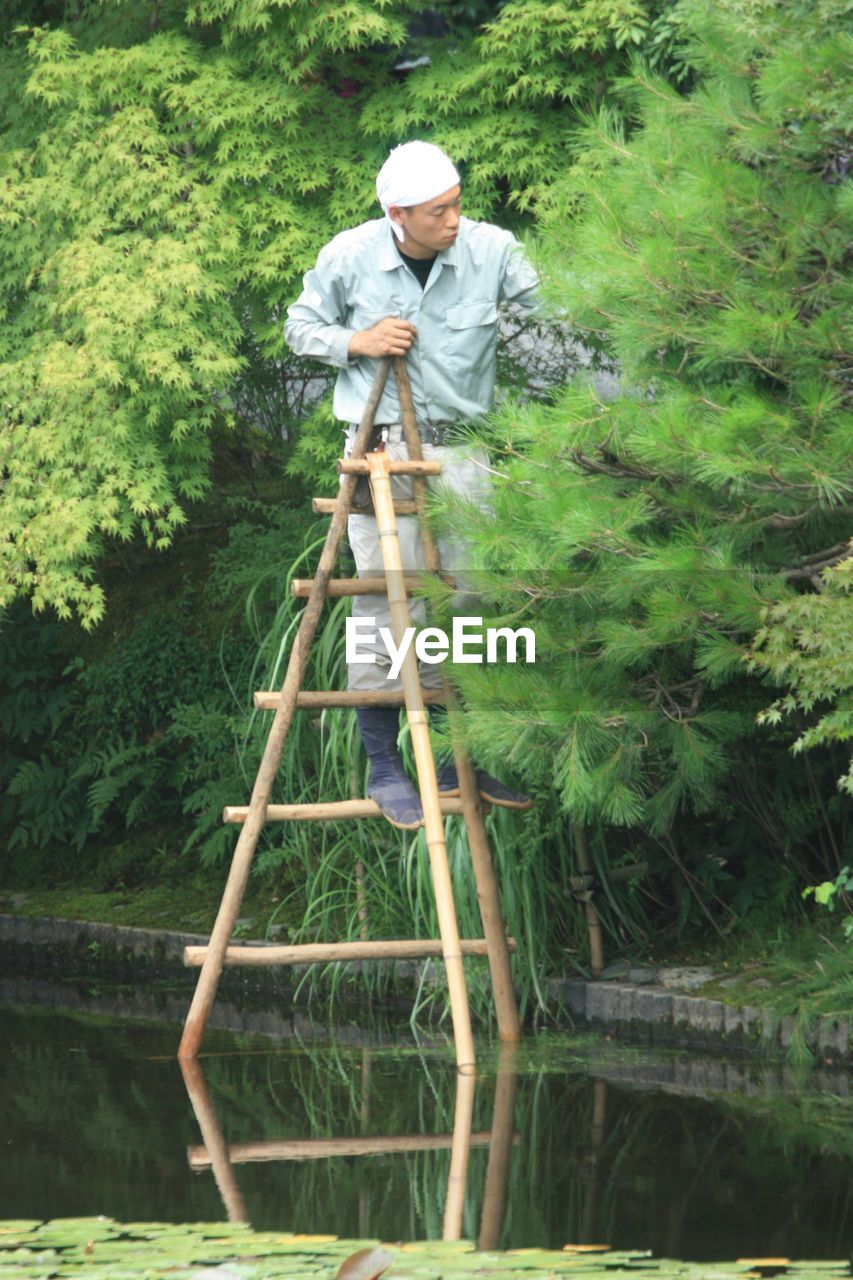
x,y
506,1008
238,875
593,920
457,1177
500,1149
214,1143
592,1174
383,504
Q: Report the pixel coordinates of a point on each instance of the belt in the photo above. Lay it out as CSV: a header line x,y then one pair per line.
x,y
434,433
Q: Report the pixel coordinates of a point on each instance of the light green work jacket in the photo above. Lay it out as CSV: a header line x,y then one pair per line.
x,y
360,278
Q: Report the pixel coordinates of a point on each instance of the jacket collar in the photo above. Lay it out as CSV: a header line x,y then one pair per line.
x,y
389,259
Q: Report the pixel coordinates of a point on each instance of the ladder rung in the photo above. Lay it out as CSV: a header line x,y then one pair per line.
x,y
361,467
328,507
326,952
364,586
331,811
315,699
269,1149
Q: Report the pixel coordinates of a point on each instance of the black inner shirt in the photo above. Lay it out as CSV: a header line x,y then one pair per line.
x,y
420,266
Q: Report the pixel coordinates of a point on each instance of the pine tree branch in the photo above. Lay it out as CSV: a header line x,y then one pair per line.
x,y
525,457
780,485
623,470
680,713
830,554
813,565
779,521
751,262
805,575
660,694
749,358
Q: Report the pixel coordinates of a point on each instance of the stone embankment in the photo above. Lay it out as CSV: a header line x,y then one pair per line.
x,y
666,1005
639,1004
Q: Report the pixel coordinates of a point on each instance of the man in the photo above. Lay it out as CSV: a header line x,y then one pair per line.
x,y
425,283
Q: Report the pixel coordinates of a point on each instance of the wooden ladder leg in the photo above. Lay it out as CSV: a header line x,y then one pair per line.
x,y
211,1136
380,483
457,1176
488,898
593,920
506,1007
238,875
500,1149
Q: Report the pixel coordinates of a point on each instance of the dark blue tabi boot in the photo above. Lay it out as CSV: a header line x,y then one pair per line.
x,y
489,788
389,784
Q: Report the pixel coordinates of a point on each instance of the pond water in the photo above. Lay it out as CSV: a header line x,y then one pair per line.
x,y
567,1139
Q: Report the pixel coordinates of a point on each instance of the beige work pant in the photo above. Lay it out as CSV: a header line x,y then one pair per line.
x,y
465,470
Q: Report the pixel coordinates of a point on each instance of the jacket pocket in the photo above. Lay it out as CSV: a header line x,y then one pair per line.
x,y
366,317
471,315
470,347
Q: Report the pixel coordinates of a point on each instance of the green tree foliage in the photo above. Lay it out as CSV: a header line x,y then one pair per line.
x,y
647,530
118,330
807,644
168,171
147,205
502,101
119,750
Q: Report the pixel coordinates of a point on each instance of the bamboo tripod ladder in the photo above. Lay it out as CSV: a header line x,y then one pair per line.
x,y
494,943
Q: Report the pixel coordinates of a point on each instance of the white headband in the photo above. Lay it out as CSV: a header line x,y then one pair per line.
x,y
413,173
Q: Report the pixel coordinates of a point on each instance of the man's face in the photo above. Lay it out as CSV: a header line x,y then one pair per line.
x,y
429,227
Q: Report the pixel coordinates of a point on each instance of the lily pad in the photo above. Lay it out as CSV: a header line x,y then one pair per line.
x,y
586,1248
101,1249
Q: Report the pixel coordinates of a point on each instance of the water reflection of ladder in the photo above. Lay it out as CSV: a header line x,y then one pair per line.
x,y
221,1157
494,944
